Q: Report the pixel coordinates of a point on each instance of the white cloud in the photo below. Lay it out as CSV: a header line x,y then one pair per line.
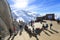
x,y
34,7
21,3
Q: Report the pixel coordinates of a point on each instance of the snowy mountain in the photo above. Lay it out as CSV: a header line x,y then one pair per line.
x,y
58,18
25,16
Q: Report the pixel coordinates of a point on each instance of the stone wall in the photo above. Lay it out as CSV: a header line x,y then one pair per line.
x,y
5,13
5,16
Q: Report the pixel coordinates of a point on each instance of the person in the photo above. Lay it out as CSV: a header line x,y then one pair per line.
x,y
15,25
15,33
21,26
43,26
50,25
0,33
33,28
57,20
46,26
0,36
10,32
21,29
26,27
32,25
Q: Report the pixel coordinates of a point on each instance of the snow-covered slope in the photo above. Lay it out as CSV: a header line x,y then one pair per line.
x,y
25,16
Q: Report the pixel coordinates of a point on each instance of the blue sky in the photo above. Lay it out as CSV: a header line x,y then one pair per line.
x,y
36,6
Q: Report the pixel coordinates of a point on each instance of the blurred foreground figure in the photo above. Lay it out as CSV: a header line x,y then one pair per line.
x,y
10,32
